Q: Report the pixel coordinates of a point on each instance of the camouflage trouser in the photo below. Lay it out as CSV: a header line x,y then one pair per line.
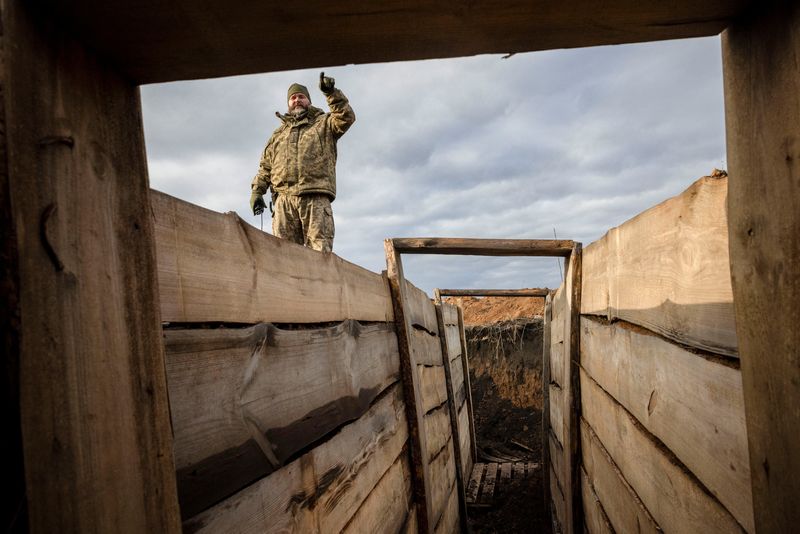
x,y
305,219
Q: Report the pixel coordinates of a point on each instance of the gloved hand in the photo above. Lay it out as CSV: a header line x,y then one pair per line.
x,y
257,203
326,84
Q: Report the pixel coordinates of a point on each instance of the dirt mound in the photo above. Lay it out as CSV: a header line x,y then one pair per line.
x,y
485,310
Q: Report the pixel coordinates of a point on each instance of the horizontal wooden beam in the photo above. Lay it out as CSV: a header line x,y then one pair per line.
x,y
165,41
493,292
483,247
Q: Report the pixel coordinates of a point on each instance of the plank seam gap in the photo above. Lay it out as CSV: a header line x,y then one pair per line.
x,y
721,359
403,451
617,471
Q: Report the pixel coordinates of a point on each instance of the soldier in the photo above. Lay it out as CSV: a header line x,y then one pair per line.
x,y
299,165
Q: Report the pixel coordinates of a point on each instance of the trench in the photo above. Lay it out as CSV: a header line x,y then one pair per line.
x,y
505,368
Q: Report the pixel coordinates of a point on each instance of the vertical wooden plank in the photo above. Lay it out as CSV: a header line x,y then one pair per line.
x,y
420,468
762,119
548,305
467,386
13,511
93,396
574,393
454,432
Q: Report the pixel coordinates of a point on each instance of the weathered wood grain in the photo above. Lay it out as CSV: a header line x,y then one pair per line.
x,y
558,411
494,292
443,479
558,463
412,391
92,408
667,269
558,503
673,497
559,343
387,506
464,436
453,337
573,446
450,314
692,404
452,423
432,386
436,425
323,489
235,419
457,372
596,519
448,523
427,348
467,387
620,503
762,104
411,525
421,310
215,267
483,247
160,43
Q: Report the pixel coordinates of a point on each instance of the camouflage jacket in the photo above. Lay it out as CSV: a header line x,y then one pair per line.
x,y
300,157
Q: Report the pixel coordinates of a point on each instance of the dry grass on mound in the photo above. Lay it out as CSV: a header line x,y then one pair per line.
x,y
485,310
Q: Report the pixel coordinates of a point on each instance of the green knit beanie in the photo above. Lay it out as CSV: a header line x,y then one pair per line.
x,y
297,88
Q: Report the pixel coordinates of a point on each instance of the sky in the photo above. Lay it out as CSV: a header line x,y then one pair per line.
x,y
565,142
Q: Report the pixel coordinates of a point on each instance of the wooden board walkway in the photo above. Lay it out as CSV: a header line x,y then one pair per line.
x,y
488,479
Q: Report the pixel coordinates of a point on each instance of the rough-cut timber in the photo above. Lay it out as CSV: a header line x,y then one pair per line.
x,y
243,401
427,348
412,392
692,404
421,310
92,390
454,378
667,269
214,267
494,292
159,42
596,519
669,492
619,502
324,489
546,349
467,388
483,247
387,507
762,116
443,476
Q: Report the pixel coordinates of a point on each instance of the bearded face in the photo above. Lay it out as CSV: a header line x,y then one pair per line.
x,y
298,104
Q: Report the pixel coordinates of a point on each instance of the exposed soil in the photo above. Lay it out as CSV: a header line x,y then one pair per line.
x,y
505,358
486,310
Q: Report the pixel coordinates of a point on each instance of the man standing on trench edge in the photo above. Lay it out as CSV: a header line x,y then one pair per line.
x,y
299,165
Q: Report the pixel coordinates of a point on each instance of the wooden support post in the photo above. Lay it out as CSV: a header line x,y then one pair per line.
x,y
413,397
454,432
92,391
467,386
574,400
483,247
548,303
762,114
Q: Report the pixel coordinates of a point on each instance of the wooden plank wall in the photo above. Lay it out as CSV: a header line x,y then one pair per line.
x,y
429,374
561,437
663,436
283,368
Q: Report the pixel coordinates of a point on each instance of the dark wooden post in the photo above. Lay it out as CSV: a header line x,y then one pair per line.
x,y
413,396
92,392
546,405
762,115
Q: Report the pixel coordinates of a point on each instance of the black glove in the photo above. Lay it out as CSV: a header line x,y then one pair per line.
x,y
257,203
326,83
